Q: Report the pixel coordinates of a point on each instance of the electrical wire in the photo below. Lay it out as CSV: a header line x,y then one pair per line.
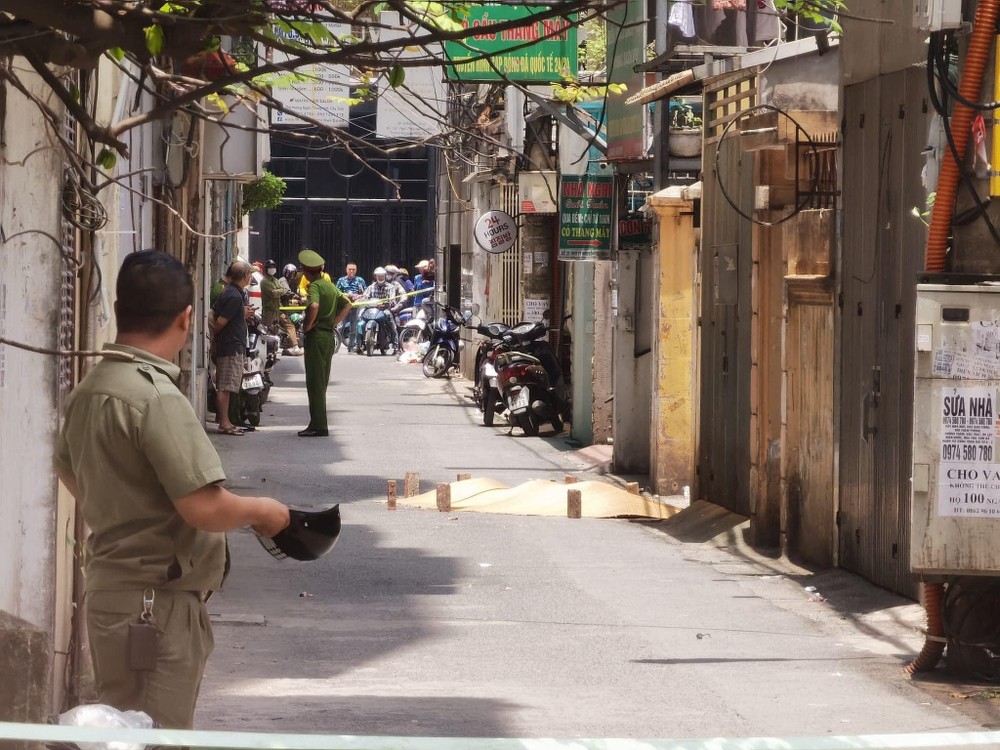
x,y
937,72
799,129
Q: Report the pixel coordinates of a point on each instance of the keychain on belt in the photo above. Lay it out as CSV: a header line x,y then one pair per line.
x,y
143,646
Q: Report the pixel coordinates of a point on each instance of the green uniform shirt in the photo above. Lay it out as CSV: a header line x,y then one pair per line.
x,y
134,445
270,292
330,300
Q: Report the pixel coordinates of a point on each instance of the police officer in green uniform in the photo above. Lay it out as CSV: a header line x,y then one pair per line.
x,y
326,308
147,479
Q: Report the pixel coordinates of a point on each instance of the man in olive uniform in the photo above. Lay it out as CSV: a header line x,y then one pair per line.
x,y
147,481
326,308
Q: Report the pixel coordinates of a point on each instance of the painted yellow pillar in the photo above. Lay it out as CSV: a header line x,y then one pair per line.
x,y
673,424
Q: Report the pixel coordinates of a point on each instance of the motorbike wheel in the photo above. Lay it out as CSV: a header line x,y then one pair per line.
x,y
528,422
407,335
437,362
253,418
338,340
370,342
489,406
557,424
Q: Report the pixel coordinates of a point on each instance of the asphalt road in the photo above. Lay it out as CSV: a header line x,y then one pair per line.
x,y
466,624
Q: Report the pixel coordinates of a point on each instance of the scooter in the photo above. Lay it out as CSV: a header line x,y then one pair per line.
x,y
445,344
256,385
373,330
530,379
418,328
486,391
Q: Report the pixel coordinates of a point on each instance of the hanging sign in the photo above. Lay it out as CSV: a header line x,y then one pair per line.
x,y
585,217
496,232
541,50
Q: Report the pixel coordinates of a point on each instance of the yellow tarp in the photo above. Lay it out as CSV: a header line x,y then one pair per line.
x,y
543,498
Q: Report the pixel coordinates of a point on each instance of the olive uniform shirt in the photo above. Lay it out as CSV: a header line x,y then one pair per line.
x,y
330,300
135,445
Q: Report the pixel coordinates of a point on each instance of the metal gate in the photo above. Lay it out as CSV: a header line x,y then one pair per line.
x,y
369,234
726,313
883,246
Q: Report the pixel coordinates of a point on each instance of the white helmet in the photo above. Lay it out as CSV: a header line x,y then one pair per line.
x,y
391,269
379,272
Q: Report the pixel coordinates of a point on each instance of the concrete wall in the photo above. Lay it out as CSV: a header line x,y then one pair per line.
x,y
603,384
809,82
674,402
632,369
31,275
582,326
870,49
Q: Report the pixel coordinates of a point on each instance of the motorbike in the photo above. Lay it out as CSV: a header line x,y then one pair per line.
x,y
256,385
418,328
486,391
373,330
445,343
530,379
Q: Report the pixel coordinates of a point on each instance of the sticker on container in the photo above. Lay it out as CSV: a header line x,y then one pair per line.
x,y
968,475
970,353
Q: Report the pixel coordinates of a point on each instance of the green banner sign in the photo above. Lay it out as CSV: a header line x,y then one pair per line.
x,y
540,51
585,204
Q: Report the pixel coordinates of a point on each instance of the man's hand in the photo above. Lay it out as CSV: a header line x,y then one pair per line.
x,y
274,517
248,314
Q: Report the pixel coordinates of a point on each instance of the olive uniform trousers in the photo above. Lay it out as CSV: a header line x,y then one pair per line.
x,y
168,693
318,361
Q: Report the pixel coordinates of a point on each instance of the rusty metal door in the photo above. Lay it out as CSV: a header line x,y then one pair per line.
x,y
726,269
883,245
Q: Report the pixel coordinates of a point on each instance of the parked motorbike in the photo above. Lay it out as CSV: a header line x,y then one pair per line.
x,y
373,329
417,329
530,379
445,343
256,385
486,391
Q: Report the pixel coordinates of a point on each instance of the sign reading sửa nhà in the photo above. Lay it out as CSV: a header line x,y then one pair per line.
x,y
585,206
543,50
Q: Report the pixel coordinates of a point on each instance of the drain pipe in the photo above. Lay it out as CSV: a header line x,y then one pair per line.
x,y
980,45
933,649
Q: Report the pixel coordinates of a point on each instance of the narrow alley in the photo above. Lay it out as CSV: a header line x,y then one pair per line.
x,y
467,624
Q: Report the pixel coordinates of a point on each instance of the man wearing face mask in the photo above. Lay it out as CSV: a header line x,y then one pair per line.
x,y
271,291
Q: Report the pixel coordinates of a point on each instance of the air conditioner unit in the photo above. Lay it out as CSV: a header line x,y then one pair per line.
x,y
538,192
937,15
232,148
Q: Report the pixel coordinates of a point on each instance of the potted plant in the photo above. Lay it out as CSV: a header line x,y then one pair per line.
x,y
684,129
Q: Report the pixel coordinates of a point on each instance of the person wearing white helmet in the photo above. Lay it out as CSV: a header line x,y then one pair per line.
x,y
392,294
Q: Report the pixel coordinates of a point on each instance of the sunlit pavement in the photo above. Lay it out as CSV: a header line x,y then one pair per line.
x,y
462,624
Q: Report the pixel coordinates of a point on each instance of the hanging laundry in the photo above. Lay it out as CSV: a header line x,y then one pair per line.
x,y
682,17
767,21
729,4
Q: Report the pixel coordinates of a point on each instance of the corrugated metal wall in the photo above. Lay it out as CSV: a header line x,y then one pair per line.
x,y
883,245
506,302
726,269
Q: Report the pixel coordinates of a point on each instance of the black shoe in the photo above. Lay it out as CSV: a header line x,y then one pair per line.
x,y
310,432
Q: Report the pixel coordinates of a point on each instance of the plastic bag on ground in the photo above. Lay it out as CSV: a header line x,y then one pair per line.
x,y
100,715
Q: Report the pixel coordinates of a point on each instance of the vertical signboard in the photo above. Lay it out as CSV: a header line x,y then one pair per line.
x,y
626,50
416,109
320,92
541,51
585,208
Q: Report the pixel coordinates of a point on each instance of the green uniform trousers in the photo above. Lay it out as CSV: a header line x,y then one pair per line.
x,y
168,693
318,360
